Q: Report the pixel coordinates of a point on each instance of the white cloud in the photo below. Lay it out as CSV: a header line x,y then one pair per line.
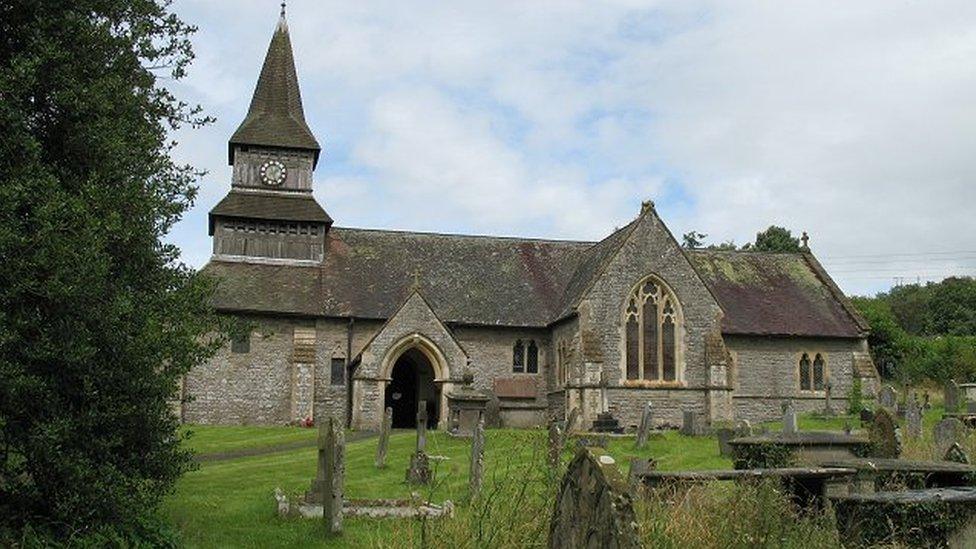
x,y
851,120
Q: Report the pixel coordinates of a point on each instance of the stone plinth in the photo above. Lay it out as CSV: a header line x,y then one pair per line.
x,y
466,405
968,391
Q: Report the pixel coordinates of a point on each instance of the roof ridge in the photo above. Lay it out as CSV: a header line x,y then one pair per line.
x,y
743,252
463,235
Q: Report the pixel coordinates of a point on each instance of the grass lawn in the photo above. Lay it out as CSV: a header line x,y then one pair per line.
x,y
206,439
230,503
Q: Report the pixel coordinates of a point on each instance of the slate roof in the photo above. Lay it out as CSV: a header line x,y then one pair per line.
x,y
496,281
776,294
270,206
275,117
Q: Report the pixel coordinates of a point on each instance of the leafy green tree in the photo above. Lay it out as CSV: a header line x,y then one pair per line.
x,y
775,239
952,307
889,343
693,240
98,319
910,305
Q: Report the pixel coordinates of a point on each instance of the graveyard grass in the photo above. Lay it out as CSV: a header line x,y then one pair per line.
x,y
229,503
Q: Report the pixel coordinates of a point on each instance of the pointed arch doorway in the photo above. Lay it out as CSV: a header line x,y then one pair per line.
x,y
412,381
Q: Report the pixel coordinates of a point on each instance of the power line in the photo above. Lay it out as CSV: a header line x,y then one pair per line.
x,y
902,254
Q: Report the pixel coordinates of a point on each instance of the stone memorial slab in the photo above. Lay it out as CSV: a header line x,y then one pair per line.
x,y
593,507
644,430
571,420
383,444
724,436
888,397
946,433
419,471
743,428
690,424
789,418
477,457
884,435
327,487
555,443
913,418
951,397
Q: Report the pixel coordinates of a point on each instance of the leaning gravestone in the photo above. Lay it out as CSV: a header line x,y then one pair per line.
x,y
419,470
593,506
951,397
644,430
384,442
789,418
724,436
956,454
884,435
327,486
888,397
946,433
913,418
477,456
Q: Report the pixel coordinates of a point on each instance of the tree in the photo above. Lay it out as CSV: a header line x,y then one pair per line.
x,y
952,307
775,239
889,343
98,319
693,240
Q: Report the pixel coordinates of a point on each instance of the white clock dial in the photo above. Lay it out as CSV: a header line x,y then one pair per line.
x,y
273,173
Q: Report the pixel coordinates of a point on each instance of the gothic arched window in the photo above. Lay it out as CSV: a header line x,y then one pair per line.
x,y
818,373
518,357
651,326
532,358
806,376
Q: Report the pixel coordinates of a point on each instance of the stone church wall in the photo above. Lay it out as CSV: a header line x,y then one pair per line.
x,y
650,249
766,373
490,352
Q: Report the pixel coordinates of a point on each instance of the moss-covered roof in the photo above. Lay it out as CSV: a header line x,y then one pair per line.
x,y
775,294
276,117
494,281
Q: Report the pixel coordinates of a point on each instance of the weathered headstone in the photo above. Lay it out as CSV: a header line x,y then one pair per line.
x,y
592,441
644,430
477,457
571,420
555,443
888,397
689,423
884,435
593,507
327,486
951,397
724,436
384,442
956,454
971,406
743,428
419,470
828,405
789,418
913,418
946,433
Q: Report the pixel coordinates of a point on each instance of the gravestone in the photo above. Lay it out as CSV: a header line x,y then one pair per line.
x,y
555,443
597,441
971,406
956,454
743,428
951,397
419,470
593,507
477,457
689,423
884,435
913,418
888,397
571,420
789,418
946,433
645,427
327,486
724,436
384,442
926,404
867,416
828,405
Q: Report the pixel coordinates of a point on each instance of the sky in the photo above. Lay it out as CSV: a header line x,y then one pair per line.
x,y
853,121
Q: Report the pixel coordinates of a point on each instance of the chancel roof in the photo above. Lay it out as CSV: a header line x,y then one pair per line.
x,y
494,281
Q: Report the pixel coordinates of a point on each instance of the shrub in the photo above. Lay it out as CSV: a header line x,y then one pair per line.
x,y
855,397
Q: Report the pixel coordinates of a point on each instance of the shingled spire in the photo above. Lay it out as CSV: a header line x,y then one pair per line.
x,y
276,118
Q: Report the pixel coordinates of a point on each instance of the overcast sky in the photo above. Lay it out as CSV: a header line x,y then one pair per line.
x,y
854,121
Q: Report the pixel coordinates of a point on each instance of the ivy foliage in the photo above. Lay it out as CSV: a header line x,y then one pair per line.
x,y
98,318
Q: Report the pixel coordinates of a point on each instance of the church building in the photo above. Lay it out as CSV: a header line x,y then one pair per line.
x,y
347,321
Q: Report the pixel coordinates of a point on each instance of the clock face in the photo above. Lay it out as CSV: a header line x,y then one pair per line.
x,y
273,173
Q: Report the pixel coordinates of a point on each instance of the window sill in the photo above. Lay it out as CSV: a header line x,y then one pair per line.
x,y
652,384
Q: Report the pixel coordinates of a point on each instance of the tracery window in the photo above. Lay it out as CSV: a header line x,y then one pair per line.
x,y
525,358
813,374
651,322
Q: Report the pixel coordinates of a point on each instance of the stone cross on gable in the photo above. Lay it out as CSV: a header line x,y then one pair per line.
x,y
416,279
422,426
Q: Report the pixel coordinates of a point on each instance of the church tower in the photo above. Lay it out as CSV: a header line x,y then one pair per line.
x,y
270,213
